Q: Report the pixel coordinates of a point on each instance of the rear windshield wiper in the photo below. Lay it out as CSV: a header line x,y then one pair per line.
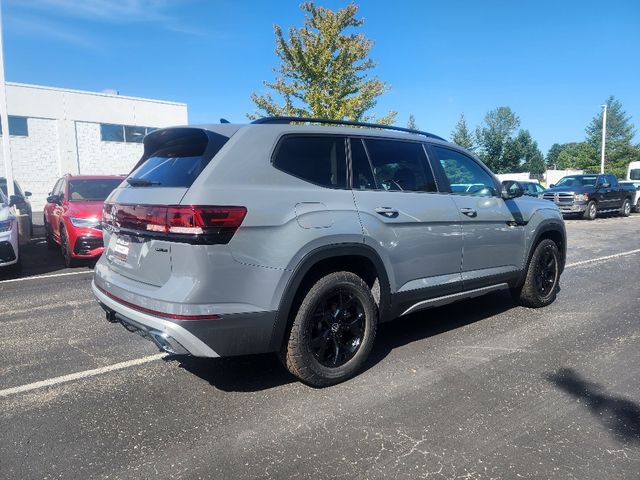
x,y
141,182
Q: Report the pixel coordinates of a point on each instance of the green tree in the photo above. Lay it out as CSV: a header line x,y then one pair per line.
x,y
522,154
323,70
552,155
494,135
461,135
411,123
578,156
619,150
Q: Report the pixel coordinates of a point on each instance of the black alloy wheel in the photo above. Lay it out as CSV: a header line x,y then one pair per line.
x,y
546,273
337,329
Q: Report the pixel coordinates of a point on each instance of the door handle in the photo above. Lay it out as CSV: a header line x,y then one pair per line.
x,y
388,212
469,212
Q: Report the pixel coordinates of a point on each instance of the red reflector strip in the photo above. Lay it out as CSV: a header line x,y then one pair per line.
x,y
172,316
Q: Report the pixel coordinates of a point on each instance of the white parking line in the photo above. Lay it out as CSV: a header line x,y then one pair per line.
x,y
151,358
600,259
79,375
37,277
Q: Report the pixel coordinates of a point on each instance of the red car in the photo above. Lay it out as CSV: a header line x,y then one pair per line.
x,y
73,215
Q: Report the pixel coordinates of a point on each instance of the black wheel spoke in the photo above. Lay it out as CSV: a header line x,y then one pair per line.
x,y
337,327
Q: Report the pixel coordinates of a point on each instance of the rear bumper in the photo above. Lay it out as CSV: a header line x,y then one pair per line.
x,y
230,334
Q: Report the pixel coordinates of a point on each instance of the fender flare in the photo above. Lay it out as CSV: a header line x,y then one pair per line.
x,y
304,267
549,226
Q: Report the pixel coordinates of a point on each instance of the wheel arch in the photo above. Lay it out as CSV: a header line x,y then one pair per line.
x,y
551,230
354,257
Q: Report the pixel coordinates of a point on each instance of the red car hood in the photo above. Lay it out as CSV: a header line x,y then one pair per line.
x,y
85,209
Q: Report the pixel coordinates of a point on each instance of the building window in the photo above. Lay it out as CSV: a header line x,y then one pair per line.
x,y
123,133
18,126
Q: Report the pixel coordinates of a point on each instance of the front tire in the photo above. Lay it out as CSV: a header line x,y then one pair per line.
x,y
591,211
543,276
65,248
333,330
625,210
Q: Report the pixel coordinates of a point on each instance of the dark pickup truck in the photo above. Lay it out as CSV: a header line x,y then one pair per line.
x,y
588,195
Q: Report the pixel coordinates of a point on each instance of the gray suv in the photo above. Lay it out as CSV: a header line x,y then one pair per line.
x,y
290,235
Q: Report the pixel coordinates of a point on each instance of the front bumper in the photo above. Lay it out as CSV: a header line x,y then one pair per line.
x,y
576,207
85,242
9,247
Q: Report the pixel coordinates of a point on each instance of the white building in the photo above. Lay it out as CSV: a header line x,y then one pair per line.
x,y
54,131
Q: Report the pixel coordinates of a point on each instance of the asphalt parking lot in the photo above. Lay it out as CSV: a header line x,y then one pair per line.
x,y
480,389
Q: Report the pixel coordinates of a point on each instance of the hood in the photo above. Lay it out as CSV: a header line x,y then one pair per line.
x,y
569,189
523,208
85,209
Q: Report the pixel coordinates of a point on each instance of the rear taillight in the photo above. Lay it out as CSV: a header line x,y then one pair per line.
x,y
199,224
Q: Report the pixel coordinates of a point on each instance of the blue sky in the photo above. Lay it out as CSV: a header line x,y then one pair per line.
x,y
552,62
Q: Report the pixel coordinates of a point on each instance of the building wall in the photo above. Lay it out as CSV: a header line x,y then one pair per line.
x,y
104,158
65,137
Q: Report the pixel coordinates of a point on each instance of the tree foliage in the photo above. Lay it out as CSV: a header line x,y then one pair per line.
x,y
323,70
411,123
619,150
522,154
494,136
461,135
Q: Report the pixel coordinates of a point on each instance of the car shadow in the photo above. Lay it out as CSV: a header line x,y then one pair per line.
x,y
261,372
619,415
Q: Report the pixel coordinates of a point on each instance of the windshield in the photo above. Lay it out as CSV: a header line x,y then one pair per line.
x,y
634,174
581,181
94,190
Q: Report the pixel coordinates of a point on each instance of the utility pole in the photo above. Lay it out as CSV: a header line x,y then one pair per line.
x,y
4,119
604,135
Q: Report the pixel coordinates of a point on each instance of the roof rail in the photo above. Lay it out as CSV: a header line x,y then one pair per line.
x,y
285,120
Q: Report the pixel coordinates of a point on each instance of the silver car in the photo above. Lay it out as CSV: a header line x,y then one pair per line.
x,y
293,236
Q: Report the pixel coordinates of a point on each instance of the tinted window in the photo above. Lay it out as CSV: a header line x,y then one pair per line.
x,y
319,160
111,133
91,190
465,175
16,188
577,181
634,174
57,188
400,166
134,134
178,158
361,168
17,126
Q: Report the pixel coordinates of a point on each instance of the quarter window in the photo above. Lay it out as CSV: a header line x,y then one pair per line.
x,y
400,166
465,175
315,159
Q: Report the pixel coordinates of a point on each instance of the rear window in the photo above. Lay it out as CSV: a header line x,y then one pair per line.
x,y
92,190
316,159
177,157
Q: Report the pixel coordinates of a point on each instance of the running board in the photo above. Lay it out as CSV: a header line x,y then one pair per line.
x,y
454,297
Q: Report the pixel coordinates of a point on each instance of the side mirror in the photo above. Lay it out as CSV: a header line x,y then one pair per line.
x,y
552,185
27,194
53,199
14,200
511,189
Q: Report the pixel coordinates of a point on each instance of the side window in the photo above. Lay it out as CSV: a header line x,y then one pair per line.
x,y
465,175
360,167
57,187
532,188
400,166
316,159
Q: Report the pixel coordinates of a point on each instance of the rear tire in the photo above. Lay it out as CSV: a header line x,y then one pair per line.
x,y
625,210
591,212
638,206
333,330
543,276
